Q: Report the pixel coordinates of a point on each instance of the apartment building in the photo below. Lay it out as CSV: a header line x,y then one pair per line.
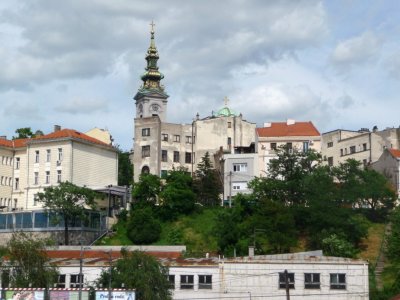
x,y
389,165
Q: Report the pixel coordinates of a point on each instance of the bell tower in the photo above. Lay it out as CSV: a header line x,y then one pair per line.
x,y
151,99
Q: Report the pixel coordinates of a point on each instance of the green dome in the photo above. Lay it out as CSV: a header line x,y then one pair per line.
x,y
225,112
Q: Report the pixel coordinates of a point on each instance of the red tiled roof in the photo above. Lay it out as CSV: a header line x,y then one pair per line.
x,y
64,133
395,152
283,129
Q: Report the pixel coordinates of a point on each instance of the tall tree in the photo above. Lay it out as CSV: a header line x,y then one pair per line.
x,y
67,202
148,188
23,133
139,271
125,168
143,228
207,182
29,265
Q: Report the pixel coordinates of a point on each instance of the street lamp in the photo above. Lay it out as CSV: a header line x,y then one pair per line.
x,y
110,270
80,270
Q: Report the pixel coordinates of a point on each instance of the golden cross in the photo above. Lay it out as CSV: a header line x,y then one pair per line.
x,y
226,101
152,25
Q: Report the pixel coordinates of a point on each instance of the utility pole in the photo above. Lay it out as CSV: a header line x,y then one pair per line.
x,y
109,281
287,285
80,270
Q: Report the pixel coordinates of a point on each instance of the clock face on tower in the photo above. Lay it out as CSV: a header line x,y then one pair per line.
x,y
154,108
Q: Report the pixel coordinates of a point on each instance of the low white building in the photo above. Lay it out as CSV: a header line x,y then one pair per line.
x,y
309,274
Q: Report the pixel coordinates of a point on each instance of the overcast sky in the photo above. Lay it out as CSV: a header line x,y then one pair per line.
x,y
77,63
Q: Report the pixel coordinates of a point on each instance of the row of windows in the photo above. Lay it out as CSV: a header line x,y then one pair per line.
x,y
6,202
165,136
48,155
313,281
187,282
47,177
289,146
4,180
164,155
6,160
352,149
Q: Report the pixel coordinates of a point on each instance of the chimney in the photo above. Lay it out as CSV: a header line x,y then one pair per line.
x,y
266,125
57,128
290,122
251,251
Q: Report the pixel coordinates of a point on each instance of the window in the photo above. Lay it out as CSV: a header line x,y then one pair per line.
x,y
164,155
306,145
338,281
59,173
239,186
240,167
365,146
36,156
17,163
164,174
145,151
290,280
345,151
311,281
176,156
60,154
146,132
48,155
229,124
205,281
16,183
75,282
171,280
36,178
177,138
273,146
353,149
330,144
60,281
188,157
188,139
330,161
229,141
187,282
47,181
164,137
289,147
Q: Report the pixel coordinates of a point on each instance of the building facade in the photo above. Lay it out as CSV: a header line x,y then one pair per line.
x,y
160,146
389,165
364,145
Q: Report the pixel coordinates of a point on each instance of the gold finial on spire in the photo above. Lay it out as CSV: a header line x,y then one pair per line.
x,y
226,101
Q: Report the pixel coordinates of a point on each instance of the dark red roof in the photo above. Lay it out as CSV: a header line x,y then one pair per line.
x,y
278,129
395,152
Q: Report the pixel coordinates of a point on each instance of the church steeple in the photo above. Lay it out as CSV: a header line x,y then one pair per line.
x,y
152,77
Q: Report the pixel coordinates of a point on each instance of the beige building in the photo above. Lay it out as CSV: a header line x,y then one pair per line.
x,y
364,145
292,134
6,173
160,146
389,165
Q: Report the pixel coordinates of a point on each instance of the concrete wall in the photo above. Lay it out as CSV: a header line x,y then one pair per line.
x,y
389,166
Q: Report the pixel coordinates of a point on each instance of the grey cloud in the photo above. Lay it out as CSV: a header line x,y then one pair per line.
x,y
83,106
345,102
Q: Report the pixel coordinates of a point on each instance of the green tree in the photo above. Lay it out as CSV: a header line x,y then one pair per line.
x,y
393,240
143,227
67,202
125,169
139,271
29,263
177,195
23,133
207,182
148,188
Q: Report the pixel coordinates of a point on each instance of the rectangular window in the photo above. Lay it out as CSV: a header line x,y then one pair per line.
x,y
306,146
229,124
146,151
353,149
282,280
229,141
188,139
187,282
164,137
61,281
177,138
338,281
164,174
60,154
312,281
164,155
36,156
239,186
273,146
47,181
330,161
289,147
176,156
145,131
330,144
188,157
171,280
205,281
365,146
16,183
75,282
59,174
48,155
17,163
36,178
240,167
